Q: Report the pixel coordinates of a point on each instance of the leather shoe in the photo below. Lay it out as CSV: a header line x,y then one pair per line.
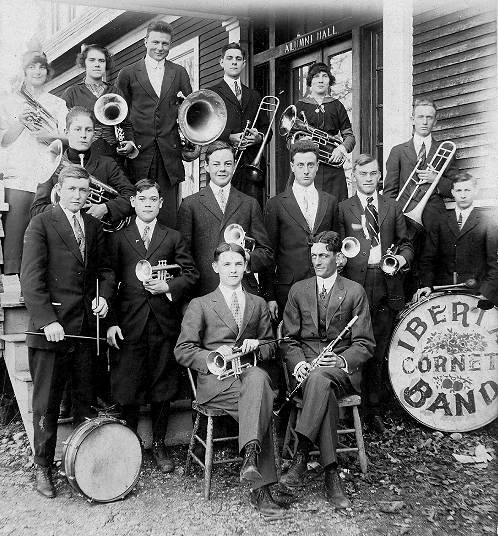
x,y
264,503
165,464
334,491
44,484
293,478
249,471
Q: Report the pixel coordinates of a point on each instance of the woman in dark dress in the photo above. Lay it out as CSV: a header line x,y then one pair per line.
x,y
326,113
96,60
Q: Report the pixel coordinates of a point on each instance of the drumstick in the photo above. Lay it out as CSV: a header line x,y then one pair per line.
x,y
66,336
98,319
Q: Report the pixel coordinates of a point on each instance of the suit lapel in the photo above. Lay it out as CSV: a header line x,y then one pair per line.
x,y
245,97
168,77
221,309
311,299
133,236
337,295
320,211
206,197
159,234
289,202
229,94
233,203
356,208
452,223
90,230
143,79
65,231
471,222
383,209
248,312
410,151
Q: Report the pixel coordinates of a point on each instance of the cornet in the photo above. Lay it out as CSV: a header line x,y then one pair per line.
x,y
164,271
389,264
111,109
235,234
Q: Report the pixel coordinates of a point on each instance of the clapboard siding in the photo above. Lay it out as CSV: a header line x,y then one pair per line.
x,y
454,63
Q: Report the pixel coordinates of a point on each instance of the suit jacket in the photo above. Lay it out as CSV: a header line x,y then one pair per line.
x,y
104,169
401,162
132,304
202,224
154,118
393,230
290,235
58,285
208,323
470,252
301,324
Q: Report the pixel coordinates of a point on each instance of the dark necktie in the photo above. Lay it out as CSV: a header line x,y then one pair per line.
x,y
372,221
235,309
80,237
323,293
238,90
422,156
460,221
146,237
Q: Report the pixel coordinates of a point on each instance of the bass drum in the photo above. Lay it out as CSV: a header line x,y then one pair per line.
x,y
443,362
102,459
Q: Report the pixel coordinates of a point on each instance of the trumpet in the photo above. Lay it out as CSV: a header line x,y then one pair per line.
x,y
291,125
226,362
389,264
38,116
350,247
111,109
413,187
164,271
234,233
254,172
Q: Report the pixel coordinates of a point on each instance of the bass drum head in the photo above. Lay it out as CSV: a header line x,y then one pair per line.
x,y
443,362
108,462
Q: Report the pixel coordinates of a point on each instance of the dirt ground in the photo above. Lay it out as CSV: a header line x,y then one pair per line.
x,y
414,487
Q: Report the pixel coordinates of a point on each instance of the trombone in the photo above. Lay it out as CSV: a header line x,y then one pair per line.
x,y
163,271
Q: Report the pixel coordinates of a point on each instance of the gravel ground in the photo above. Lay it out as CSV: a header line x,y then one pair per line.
x,y
414,487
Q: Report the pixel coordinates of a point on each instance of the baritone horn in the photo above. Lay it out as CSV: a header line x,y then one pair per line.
x,y
111,109
202,117
38,116
350,247
234,233
163,271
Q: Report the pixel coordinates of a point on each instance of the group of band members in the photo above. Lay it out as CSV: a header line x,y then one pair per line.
x,y
296,255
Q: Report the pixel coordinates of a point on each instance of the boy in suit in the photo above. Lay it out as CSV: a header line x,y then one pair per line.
x,y
378,223
218,321
64,255
204,216
291,218
145,317
317,310
151,87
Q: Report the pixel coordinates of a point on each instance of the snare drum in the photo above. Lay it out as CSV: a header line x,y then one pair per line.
x,y
102,459
443,362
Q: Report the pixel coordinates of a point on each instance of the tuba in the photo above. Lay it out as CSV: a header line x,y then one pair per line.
x,y
111,109
163,271
295,128
234,233
202,117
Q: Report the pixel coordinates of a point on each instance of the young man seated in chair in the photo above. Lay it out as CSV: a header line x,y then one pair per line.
x,y
317,310
226,318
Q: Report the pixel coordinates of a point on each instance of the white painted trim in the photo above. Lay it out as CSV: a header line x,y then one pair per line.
x,y
232,26
192,45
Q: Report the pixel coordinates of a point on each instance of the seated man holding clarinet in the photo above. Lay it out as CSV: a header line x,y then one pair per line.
x,y
231,321
328,321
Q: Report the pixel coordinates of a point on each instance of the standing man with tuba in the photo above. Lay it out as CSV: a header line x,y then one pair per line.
x,y
151,87
379,225
242,106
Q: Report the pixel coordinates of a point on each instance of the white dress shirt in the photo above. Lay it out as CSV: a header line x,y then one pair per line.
x,y
307,199
70,216
231,84
216,191
418,140
155,72
327,282
375,252
465,212
227,294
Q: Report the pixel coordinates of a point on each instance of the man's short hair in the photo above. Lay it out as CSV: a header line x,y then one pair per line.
x,y
364,159
146,184
217,145
75,112
330,239
423,101
303,146
159,26
463,176
230,46
73,171
225,246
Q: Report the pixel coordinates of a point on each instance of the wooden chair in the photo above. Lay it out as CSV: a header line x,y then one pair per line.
x,y
351,401
209,441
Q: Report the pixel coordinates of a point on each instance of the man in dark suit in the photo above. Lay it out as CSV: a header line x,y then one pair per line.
x,y
378,224
242,106
219,321
204,216
80,129
291,218
317,310
145,316
64,255
151,87
461,245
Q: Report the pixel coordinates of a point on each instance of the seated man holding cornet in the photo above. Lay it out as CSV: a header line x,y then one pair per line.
x,y
217,327
328,321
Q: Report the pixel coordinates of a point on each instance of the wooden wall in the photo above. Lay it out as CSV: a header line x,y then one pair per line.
x,y
454,63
